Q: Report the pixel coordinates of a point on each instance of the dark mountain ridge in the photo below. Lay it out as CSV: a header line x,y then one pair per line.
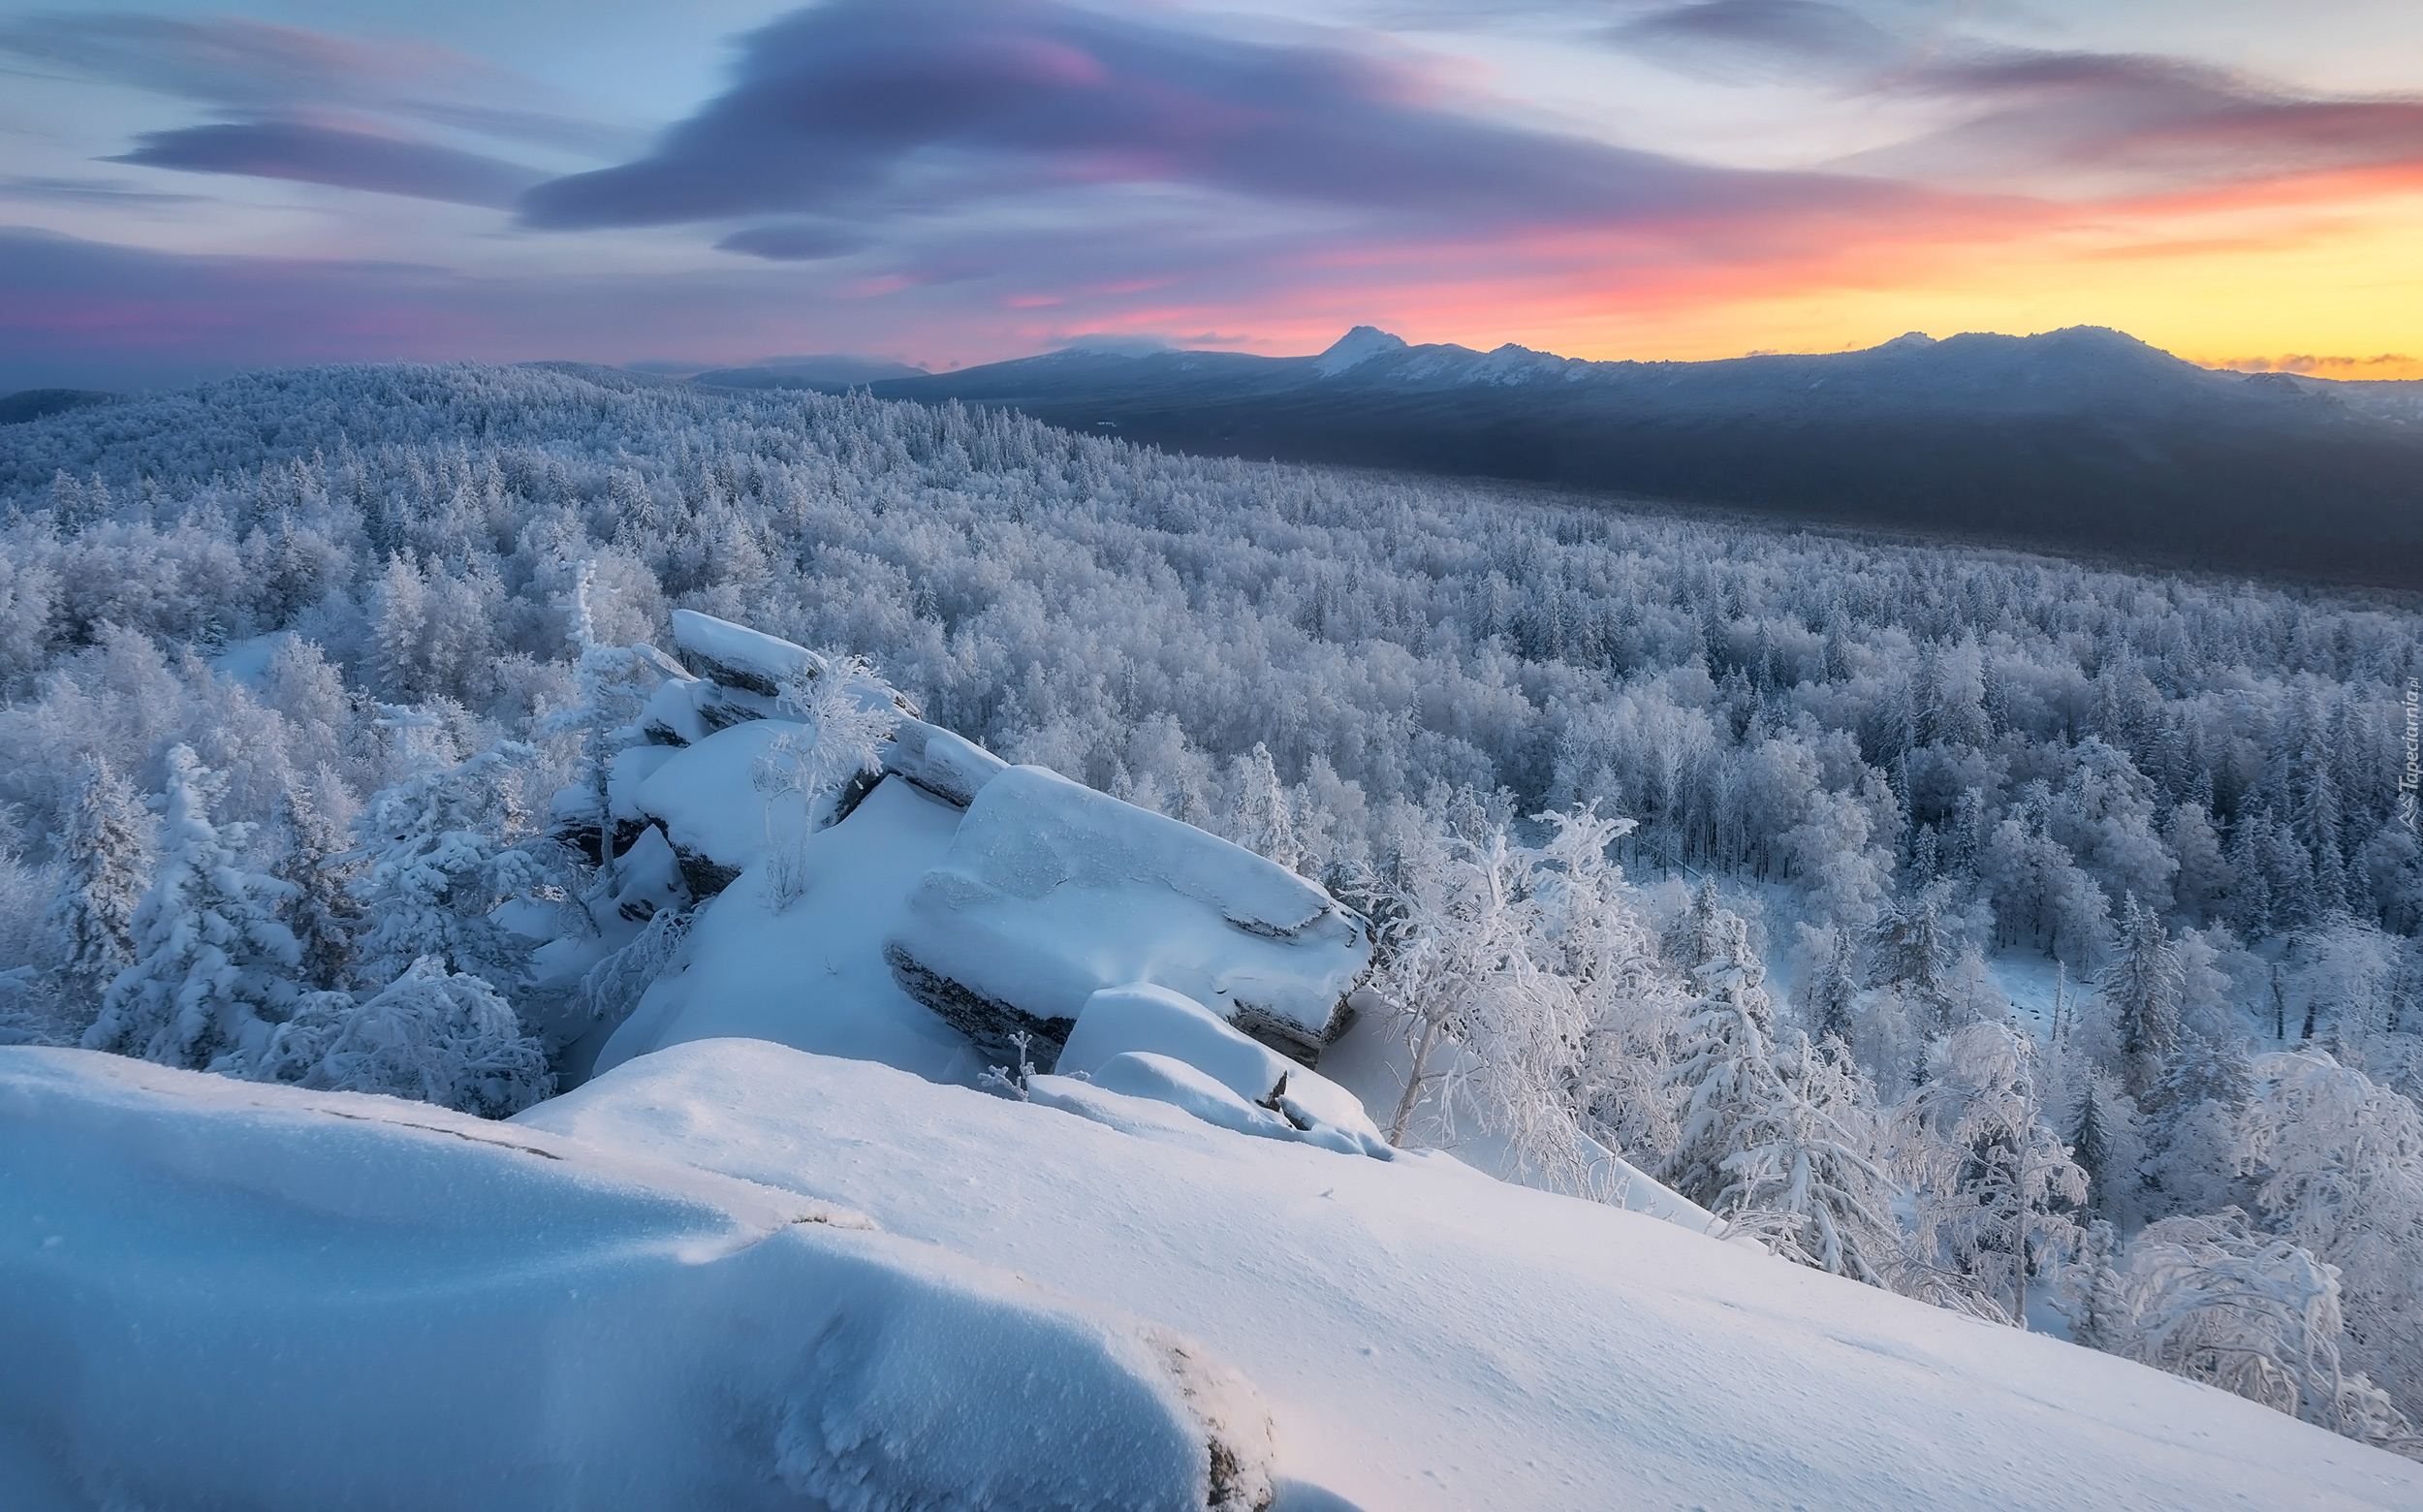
x,y
2083,438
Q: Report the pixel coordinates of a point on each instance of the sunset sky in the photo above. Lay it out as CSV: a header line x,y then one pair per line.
x,y
187,189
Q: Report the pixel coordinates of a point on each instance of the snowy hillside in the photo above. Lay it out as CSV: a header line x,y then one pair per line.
x,y
939,1299
1519,996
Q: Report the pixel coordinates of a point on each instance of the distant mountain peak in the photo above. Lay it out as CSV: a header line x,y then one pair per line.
x,y
1356,348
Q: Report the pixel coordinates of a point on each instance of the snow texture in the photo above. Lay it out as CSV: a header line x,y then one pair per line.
x,y
1429,1339
220,1295
739,657
705,796
951,767
1052,890
1122,1033
812,976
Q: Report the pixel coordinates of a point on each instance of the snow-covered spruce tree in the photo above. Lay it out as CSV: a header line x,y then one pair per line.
x,y
214,969
431,1036
1261,814
439,861
844,713
1723,1063
2141,992
106,853
2092,1139
1992,1187
1828,993
1912,955
323,870
2211,1300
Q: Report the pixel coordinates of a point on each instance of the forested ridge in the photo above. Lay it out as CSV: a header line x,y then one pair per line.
x,y
1594,771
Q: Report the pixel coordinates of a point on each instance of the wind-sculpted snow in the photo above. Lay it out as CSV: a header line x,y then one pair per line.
x,y
1269,1092
220,1295
1432,1340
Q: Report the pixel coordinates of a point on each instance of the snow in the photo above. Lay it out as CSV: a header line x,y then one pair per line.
x,y
705,795
951,767
629,771
1356,348
221,1294
1052,892
1429,1339
1120,1023
1371,1063
814,975
739,657
1161,1078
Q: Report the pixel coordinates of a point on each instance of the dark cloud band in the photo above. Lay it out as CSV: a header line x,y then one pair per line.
x,y
348,159
863,107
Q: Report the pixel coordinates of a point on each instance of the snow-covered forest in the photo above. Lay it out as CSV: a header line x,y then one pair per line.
x,y
2035,939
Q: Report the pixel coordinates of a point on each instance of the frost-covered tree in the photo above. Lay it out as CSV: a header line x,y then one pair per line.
x,y
2141,993
611,686
431,1035
439,858
2337,1166
2215,1301
105,852
1805,1177
1912,953
1523,986
321,870
1828,993
2094,1139
1723,1063
843,713
214,969
1261,816
1991,1186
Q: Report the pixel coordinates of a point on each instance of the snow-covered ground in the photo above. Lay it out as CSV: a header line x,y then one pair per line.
x,y
1427,1338
732,1274
215,1295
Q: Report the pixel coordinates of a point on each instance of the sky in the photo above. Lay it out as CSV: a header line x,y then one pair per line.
x,y
192,189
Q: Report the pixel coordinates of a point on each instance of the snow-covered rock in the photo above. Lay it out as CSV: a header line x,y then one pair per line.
x,y
217,1294
1121,1023
649,879
737,657
951,767
1053,892
750,661
812,975
685,711
706,796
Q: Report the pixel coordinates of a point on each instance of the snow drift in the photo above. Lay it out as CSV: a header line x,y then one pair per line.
x,y
1429,1339
220,1294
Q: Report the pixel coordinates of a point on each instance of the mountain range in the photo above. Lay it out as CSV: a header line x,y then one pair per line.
x,y
2080,439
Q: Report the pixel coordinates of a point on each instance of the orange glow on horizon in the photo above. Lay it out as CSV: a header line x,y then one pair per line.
x,y
2316,273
